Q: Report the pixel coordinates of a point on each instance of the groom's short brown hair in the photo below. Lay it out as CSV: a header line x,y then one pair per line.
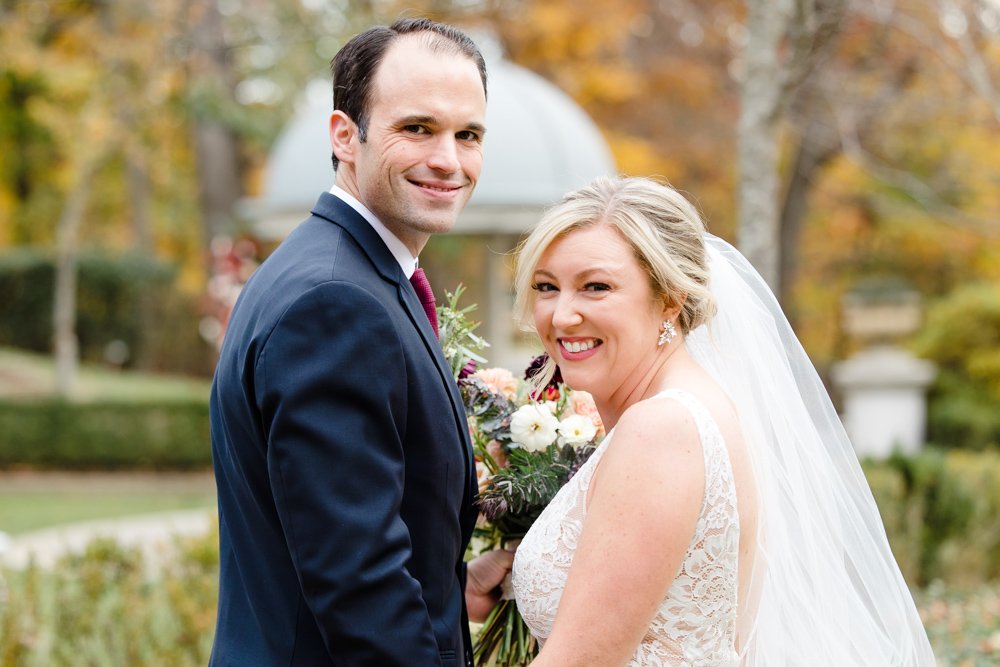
x,y
355,64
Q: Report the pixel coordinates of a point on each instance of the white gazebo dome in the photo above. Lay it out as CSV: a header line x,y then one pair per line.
x,y
539,145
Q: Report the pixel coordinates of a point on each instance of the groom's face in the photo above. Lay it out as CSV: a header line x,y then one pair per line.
x,y
423,153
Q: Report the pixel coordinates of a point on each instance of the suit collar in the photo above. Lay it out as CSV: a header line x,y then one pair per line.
x,y
398,249
340,213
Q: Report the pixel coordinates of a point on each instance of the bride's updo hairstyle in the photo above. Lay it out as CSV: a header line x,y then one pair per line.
x,y
665,232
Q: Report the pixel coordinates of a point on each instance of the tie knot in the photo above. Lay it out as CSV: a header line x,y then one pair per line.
x,y
422,287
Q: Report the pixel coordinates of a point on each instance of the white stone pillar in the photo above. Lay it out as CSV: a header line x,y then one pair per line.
x,y
884,400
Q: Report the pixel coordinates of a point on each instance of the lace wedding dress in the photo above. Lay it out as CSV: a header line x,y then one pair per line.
x,y
696,622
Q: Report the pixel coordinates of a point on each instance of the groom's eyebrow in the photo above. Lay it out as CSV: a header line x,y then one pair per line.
x,y
432,121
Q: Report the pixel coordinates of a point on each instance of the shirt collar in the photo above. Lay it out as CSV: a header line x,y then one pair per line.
x,y
407,261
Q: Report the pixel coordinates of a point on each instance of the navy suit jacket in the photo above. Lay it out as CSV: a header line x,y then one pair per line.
x,y
345,475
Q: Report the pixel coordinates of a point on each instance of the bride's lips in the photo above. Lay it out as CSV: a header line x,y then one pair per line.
x,y
578,348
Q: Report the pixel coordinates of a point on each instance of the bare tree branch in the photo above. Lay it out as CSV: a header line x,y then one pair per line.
x,y
967,65
978,71
923,194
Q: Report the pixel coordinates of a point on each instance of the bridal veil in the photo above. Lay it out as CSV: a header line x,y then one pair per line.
x,y
824,587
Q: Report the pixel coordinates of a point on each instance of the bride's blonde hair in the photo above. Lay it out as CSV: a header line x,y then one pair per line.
x,y
663,228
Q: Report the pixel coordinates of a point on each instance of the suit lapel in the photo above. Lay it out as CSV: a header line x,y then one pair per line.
x,y
337,211
408,297
340,213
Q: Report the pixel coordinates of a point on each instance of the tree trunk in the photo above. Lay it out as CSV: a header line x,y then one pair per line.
x,y
819,144
218,176
786,39
216,145
763,87
142,239
65,346
139,196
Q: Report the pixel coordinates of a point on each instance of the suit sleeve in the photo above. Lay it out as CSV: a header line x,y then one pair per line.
x,y
333,399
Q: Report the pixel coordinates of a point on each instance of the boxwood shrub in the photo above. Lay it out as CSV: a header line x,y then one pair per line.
x,y
106,435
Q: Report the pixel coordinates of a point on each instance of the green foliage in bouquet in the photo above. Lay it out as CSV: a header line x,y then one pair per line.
x,y
455,330
518,493
519,477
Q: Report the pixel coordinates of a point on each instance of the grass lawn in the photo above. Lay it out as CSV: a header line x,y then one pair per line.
x,y
30,500
34,500
30,375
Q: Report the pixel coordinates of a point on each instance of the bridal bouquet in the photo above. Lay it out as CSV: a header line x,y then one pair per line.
x,y
527,445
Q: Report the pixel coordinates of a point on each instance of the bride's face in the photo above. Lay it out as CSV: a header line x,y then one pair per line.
x,y
595,311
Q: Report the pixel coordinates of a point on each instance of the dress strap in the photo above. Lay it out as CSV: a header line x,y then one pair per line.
x,y
691,402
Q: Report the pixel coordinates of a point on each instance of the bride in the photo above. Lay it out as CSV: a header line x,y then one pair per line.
x,y
724,520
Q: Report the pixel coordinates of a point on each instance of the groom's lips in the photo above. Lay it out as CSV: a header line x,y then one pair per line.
x,y
438,189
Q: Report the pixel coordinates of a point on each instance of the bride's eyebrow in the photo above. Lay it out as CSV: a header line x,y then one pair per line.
x,y
600,271
585,273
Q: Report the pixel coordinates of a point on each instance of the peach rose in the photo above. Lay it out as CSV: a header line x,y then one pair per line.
x,y
483,476
495,449
500,380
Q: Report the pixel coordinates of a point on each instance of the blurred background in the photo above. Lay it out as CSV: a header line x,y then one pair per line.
x,y
153,154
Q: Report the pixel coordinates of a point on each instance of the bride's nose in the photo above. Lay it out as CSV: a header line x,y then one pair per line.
x,y
566,315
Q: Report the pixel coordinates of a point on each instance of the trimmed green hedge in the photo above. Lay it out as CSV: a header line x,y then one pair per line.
x,y
941,511
105,435
962,336
130,299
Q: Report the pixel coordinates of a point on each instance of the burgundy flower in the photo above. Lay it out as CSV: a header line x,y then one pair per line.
x,y
467,370
536,366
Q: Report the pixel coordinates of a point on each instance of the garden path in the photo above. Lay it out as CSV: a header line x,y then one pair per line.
x,y
154,534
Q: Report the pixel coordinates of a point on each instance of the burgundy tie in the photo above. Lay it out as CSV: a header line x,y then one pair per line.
x,y
423,289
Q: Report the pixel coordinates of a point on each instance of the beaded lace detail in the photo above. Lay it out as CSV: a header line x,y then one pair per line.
x,y
696,622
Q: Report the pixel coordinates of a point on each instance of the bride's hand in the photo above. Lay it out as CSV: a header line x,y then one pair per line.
x,y
482,586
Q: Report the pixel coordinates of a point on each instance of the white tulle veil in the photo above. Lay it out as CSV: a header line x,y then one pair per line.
x,y
825,588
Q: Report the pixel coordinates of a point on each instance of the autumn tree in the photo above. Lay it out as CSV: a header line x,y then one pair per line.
x,y
139,126
88,62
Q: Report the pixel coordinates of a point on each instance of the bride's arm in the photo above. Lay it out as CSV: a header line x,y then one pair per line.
x,y
643,507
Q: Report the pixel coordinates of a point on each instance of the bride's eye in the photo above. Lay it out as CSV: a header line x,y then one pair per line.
x,y
544,287
597,287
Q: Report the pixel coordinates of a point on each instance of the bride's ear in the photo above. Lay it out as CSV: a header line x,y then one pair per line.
x,y
672,309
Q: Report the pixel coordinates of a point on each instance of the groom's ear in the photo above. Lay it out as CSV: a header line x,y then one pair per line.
x,y
343,131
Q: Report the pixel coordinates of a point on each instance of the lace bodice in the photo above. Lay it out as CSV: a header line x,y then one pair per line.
x,y
696,622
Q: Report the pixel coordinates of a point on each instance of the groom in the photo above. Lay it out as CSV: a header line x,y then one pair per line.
x,y
342,458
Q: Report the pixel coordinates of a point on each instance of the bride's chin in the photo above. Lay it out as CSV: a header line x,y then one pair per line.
x,y
576,383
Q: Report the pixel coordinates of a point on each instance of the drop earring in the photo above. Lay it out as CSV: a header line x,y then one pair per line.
x,y
668,333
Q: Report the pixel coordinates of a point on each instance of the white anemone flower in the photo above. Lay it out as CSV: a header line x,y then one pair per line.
x,y
576,430
533,427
